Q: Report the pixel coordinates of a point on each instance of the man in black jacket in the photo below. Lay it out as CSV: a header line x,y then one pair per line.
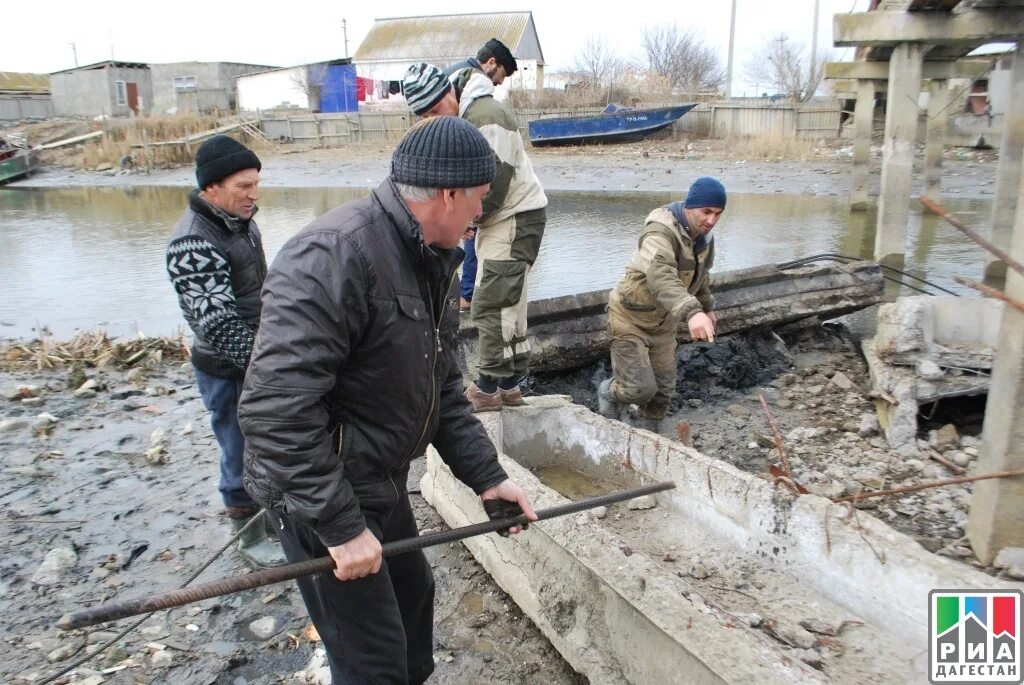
x,y
216,264
353,374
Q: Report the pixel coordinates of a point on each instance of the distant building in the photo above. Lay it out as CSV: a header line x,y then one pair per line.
x,y
25,96
110,88
393,44
319,87
197,87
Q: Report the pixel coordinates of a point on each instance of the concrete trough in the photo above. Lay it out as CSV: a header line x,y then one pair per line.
x,y
728,579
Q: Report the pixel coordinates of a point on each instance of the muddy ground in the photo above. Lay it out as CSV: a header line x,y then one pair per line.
x,y
78,485
670,165
121,480
78,480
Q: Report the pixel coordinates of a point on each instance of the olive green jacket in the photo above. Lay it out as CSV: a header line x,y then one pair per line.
x,y
663,278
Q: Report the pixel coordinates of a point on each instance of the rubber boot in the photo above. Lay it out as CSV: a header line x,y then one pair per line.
x,y
255,547
606,406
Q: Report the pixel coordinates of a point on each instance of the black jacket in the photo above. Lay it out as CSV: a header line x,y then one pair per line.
x,y
216,265
354,370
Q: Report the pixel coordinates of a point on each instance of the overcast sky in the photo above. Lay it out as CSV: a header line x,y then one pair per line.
x,y
39,33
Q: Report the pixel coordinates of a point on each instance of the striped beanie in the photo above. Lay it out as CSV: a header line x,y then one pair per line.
x,y
443,152
423,86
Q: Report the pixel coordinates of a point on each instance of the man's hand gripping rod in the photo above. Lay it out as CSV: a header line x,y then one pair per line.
x,y
112,611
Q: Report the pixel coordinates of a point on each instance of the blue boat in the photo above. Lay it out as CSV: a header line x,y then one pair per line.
x,y
614,125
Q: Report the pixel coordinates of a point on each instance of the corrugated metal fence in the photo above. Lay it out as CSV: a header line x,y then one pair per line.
x,y
707,120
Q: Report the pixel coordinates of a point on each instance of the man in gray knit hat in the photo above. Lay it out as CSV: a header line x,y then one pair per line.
x,y
354,373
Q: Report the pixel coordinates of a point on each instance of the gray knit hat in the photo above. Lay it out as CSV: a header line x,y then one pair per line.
x,y
443,152
424,85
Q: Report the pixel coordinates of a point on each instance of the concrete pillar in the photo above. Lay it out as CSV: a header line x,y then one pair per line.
x,y
938,112
996,518
898,150
1004,204
863,115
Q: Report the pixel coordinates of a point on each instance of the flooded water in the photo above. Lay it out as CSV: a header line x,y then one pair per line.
x,y
83,258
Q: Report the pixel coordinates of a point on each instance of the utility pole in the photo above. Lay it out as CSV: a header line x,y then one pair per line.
x,y
344,32
75,53
732,41
814,53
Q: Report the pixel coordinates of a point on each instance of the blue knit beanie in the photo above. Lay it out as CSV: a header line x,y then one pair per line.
x,y
706,192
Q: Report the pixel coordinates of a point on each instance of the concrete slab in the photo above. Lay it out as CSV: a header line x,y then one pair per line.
x,y
727,580
950,331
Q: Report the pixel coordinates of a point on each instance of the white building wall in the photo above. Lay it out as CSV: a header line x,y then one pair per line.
x,y
271,89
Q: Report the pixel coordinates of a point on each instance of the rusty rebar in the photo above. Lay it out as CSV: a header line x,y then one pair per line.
x,y
926,486
776,436
990,291
143,605
973,235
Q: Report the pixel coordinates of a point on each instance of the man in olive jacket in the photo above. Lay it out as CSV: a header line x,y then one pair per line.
x,y
666,282
352,376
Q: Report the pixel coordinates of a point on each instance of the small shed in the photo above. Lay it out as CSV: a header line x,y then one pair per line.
x,y
25,96
108,88
319,87
397,42
193,87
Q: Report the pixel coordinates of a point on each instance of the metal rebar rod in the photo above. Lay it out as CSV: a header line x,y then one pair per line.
x,y
143,605
991,292
970,233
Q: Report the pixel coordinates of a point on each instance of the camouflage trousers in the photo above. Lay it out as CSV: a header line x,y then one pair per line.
x,y
643,360
505,252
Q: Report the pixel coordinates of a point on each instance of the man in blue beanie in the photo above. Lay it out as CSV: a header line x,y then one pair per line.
x,y
666,283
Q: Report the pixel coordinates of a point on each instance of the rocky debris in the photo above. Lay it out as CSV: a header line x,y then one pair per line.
x,y
643,502
789,634
265,628
55,566
13,425
87,389
68,649
1011,560
869,425
944,439
698,569
841,381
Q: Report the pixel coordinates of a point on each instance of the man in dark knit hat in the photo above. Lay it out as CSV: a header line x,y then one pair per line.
x,y
354,374
216,264
666,284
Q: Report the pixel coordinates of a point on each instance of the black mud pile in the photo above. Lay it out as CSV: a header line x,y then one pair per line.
x,y
704,370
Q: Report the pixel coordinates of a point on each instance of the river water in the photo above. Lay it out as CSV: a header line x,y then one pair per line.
x,y
83,258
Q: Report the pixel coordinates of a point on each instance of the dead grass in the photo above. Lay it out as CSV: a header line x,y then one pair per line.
x,y
114,150
772,147
93,349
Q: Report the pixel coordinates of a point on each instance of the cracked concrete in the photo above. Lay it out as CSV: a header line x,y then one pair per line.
x,y
805,590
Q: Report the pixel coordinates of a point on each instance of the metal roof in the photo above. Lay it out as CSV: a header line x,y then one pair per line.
x,y
24,83
103,65
447,38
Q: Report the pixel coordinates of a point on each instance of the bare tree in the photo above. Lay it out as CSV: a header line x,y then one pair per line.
x,y
681,58
597,64
309,82
784,65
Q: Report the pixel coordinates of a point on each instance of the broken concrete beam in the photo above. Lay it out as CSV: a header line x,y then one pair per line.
x,y
971,27
949,331
572,331
879,71
908,390
606,593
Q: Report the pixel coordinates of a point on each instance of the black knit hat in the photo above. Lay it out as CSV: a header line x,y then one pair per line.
x,y
221,156
501,53
443,152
